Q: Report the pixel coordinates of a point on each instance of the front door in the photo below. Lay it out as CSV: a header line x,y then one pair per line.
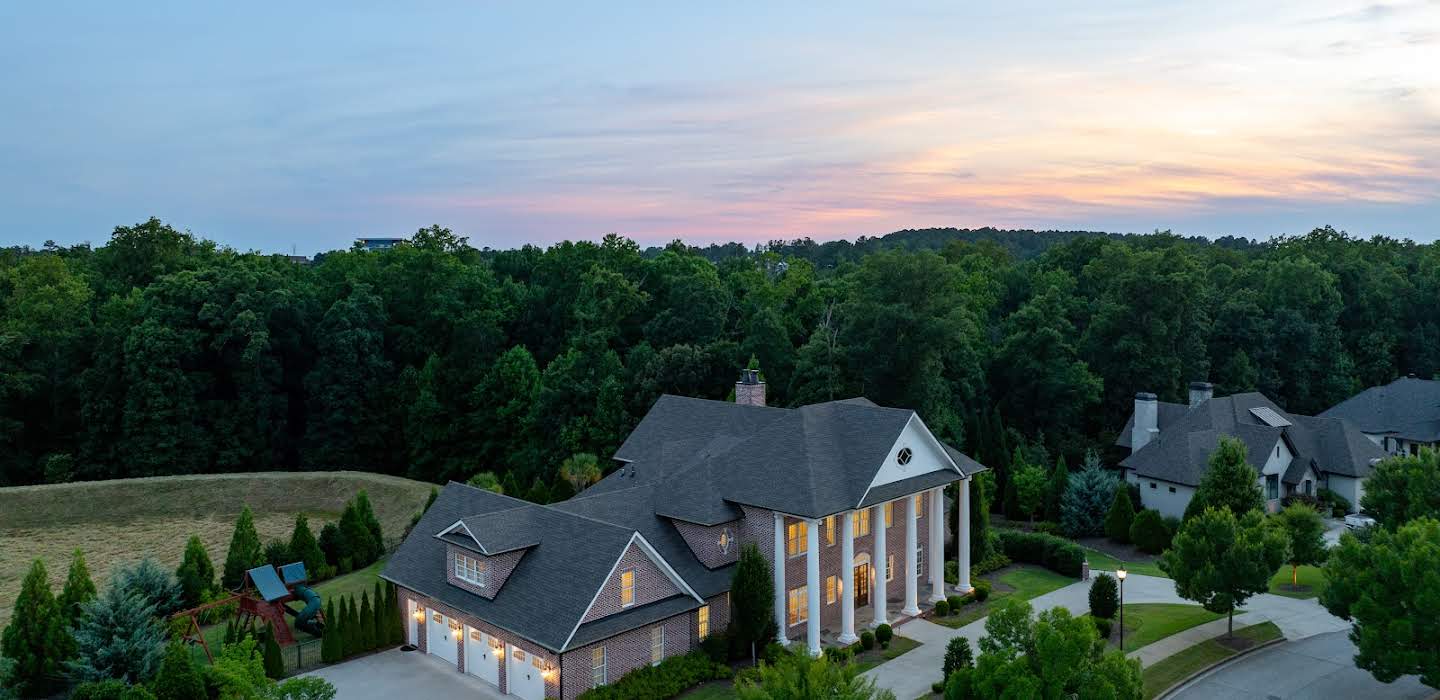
x,y
862,585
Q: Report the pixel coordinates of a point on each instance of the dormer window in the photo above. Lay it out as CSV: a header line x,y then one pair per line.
x,y
904,457
471,570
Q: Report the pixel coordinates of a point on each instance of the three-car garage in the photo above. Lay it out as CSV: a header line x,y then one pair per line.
x,y
484,654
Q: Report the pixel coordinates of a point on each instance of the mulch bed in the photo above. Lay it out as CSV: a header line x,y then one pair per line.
x,y
1236,643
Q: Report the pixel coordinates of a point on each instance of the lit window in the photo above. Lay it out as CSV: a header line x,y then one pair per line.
x,y
829,590
519,655
471,570
725,539
889,513
919,504
829,530
795,538
889,567
627,587
860,523
796,608
703,622
657,644
597,667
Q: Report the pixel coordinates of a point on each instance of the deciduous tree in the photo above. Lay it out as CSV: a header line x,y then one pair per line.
x,y
1219,560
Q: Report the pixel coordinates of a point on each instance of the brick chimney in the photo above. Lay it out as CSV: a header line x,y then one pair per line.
x,y
1147,421
750,390
1200,392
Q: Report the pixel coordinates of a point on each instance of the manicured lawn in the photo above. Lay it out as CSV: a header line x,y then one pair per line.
x,y
1025,581
1146,623
866,660
1160,676
714,690
1100,561
1312,582
352,583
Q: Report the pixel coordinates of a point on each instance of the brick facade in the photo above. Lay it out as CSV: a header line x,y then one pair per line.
x,y
651,584
624,653
704,542
498,569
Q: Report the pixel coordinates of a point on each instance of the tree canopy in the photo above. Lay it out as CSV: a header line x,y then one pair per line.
x,y
1220,560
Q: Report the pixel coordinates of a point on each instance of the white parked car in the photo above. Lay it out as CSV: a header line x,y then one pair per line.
x,y
1359,521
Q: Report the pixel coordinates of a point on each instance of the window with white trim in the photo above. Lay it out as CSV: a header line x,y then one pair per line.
x,y
829,531
702,625
471,570
919,504
829,590
795,538
860,523
889,513
920,561
657,644
627,587
796,606
597,667
889,567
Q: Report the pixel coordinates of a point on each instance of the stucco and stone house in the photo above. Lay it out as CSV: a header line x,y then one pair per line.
x,y
1170,446
847,497
1401,417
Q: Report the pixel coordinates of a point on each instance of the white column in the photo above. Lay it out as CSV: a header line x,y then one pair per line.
x,y
912,540
847,578
780,596
936,551
962,535
812,585
877,592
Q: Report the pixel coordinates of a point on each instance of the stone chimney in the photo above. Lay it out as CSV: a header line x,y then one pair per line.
x,y
1200,392
1147,421
750,390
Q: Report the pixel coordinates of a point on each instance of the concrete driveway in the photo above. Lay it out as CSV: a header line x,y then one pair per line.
x,y
1321,666
1334,527
400,674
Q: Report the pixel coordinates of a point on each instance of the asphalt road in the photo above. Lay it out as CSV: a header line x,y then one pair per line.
x,y
1321,666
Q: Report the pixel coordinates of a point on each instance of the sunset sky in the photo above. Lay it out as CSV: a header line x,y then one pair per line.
x,y
267,126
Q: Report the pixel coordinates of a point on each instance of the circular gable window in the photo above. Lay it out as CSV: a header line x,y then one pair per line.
x,y
904,457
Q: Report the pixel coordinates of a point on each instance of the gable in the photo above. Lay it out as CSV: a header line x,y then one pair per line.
x,y
652,581
712,545
926,455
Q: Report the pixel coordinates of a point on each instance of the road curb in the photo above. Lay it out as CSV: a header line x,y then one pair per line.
x,y
1223,663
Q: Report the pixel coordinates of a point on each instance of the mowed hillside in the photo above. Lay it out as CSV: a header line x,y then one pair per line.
x,y
126,519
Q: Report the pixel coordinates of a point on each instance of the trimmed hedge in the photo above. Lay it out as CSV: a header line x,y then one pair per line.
x,y
1055,553
670,678
982,590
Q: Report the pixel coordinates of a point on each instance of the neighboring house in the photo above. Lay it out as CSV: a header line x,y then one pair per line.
x,y
552,600
1401,417
379,243
1170,446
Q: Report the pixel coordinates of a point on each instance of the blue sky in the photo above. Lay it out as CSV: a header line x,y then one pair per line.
x,y
267,127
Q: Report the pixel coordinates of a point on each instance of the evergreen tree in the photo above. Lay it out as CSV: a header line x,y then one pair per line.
x,y
119,637
274,662
1229,482
538,492
358,544
372,525
304,548
1087,499
352,628
332,544
196,574
1118,520
752,596
330,644
382,619
179,678
245,551
1059,483
367,623
36,639
397,618
78,591
982,491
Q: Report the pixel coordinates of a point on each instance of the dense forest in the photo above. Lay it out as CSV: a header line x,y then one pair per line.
x,y
163,353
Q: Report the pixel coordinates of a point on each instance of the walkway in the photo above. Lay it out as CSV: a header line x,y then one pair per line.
x,y
910,676
1317,667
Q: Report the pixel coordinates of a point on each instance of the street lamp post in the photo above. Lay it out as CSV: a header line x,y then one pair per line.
x,y
1120,574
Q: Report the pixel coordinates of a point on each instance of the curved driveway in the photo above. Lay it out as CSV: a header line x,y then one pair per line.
x,y
1321,666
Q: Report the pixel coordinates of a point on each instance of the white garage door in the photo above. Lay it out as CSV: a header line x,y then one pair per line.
x,y
523,674
440,639
480,658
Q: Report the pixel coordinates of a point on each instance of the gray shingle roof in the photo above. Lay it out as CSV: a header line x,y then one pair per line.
x,y
1181,452
1408,408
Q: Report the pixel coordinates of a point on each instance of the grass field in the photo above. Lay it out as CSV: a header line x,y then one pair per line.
x,y
1100,561
123,520
1146,623
1160,676
1023,581
1312,582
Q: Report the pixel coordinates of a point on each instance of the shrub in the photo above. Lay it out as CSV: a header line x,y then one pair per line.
x,y
867,640
1046,527
955,602
668,679
1103,626
942,607
982,591
1122,512
1149,533
883,635
1055,553
179,678
957,655
277,553
1337,504
937,688
155,586
840,655
716,647
772,652
995,562
1103,598
109,689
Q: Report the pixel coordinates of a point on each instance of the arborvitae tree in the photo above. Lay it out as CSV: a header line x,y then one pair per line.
x,y
304,548
1229,482
982,491
397,617
1117,521
330,644
332,544
382,620
245,551
274,662
1059,482
357,544
372,524
179,678
36,639
196,574
752,596
367,623
78,591
352,628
